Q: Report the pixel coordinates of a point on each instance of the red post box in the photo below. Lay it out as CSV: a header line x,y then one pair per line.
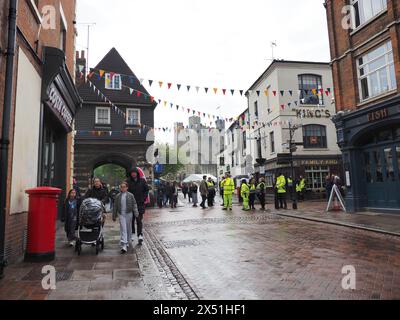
x,y
42,218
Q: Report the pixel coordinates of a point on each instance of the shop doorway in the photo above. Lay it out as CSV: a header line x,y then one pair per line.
x,y
381,168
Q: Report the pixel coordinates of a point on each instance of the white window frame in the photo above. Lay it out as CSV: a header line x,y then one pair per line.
x,y
368,73
316,170
127,117
111,85
97,115
363,23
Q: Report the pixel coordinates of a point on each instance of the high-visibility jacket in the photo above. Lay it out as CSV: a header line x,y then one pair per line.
x,y
253,189
244,191
261,187
210,184
290,182
281,184
301,185
229,186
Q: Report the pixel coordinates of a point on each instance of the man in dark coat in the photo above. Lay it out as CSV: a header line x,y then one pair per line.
x,y
140,189
97,191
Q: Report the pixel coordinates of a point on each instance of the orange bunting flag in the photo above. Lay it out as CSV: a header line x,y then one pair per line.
x,y
160,83
266,93
215,90
101,73
314,91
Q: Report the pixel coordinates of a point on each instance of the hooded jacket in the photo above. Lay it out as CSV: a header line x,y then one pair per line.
x,y
138,187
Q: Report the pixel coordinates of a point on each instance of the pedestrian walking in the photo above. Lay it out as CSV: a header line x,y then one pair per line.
x,y
328,186
113,194
160,195
185,190
245,193
70,215
261,192
97,191
252,195
76,188
194,189
221,190
174,194
140,189
203,192
281,190
229,189
211,192
125,208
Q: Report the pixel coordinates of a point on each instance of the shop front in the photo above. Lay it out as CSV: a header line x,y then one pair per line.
x,y
314,169
60,102
370,141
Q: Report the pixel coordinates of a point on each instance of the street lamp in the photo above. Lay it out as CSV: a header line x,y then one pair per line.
x,y
293,148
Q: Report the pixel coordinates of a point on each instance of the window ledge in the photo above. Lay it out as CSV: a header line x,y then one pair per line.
x,y
35,11
102,126
373,99
366,23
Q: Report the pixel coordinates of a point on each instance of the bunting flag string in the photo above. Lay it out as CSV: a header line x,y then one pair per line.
x,y
170,85
152,99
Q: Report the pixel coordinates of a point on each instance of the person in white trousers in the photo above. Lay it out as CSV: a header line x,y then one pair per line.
x,y
125,207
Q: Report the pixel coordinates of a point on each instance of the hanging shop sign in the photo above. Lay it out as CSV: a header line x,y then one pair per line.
x,y
59,107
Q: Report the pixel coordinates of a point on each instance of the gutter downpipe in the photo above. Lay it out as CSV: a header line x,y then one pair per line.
x,y
5,134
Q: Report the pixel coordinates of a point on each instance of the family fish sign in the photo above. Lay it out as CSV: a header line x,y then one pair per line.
x,y
378,115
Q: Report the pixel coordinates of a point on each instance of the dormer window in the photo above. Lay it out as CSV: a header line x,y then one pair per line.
x,y
113,81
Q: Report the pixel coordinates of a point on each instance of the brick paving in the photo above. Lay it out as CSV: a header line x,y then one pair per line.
x,y
268,256
190,253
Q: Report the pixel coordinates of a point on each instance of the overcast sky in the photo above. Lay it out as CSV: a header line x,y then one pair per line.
x,y
207,43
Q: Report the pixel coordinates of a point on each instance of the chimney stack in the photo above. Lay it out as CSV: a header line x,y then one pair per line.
x,y
80,69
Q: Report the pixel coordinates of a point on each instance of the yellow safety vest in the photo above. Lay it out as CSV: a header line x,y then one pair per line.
x,y
229,186
300,187
281,184
244,190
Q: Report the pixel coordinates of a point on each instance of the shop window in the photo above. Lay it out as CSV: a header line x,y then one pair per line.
x,y
378,166
365,10
103,116
113,81
269,181
272,141
376,72
132,117
256,109
389,164
308,83
367,167
316,176
314,136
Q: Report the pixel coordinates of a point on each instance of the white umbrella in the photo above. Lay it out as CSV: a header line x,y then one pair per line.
x,y
198,178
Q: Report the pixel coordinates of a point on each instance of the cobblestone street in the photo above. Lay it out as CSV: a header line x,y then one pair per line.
x,y
212,254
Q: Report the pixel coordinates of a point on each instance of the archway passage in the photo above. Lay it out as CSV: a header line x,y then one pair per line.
x,y
89,161
110,174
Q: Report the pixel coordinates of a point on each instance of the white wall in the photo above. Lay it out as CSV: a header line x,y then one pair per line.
x,y
26,134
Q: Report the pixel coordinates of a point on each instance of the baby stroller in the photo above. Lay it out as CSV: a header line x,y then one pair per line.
x,y
90,229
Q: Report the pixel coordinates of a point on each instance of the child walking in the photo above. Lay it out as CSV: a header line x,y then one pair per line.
x,y
70,215
125,207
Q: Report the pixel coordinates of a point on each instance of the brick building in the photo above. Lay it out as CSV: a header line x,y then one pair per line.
x,y
44,103
366,71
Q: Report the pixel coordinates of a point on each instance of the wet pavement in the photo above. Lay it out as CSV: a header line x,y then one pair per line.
x,y
190,253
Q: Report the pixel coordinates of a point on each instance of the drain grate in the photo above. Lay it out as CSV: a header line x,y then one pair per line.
x,y
64,275
183,243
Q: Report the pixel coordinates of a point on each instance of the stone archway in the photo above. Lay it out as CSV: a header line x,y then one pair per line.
x,y
86,163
